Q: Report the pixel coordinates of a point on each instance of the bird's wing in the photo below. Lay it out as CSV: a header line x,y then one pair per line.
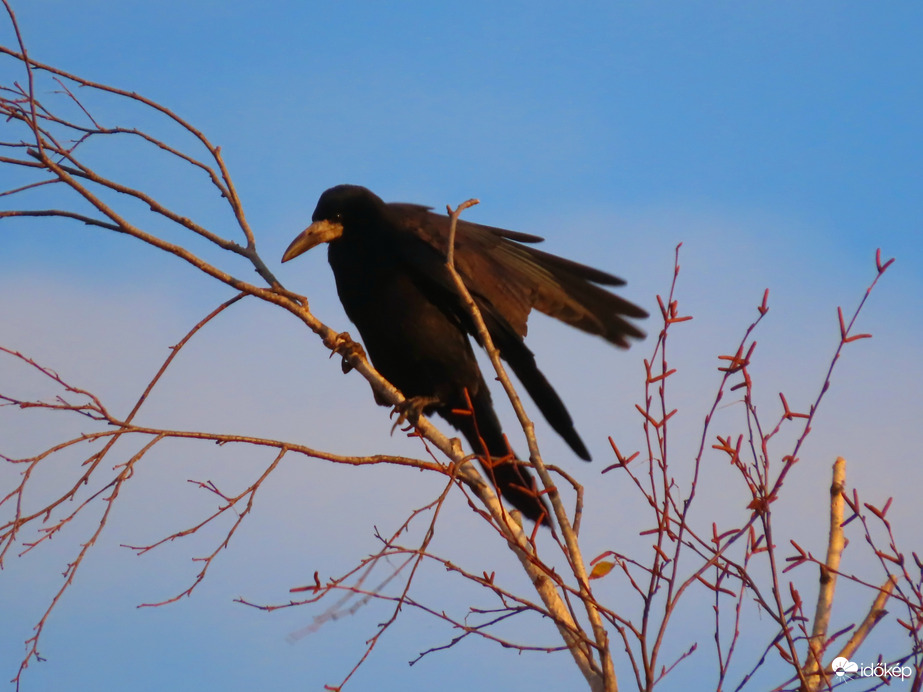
x,y
509,278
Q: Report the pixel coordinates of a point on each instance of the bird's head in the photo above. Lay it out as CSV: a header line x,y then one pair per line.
x,y
343,206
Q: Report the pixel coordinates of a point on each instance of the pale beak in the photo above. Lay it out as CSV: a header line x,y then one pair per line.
x,y
318,232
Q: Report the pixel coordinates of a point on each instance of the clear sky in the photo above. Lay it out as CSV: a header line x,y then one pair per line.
x,y
779,141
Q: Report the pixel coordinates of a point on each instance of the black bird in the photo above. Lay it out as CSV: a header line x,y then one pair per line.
x,y
391,276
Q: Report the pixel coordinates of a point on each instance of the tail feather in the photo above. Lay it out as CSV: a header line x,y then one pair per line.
x,y
522,361
480,426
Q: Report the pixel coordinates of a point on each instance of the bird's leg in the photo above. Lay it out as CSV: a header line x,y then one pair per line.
x,y
343,345
411,408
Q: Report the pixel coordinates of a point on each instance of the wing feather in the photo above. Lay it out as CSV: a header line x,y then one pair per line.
x,y
513,278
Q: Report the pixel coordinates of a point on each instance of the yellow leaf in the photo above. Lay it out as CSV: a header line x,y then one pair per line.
x,y
601,569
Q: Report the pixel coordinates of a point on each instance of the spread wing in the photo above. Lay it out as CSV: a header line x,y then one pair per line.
x,y
510,278
507,278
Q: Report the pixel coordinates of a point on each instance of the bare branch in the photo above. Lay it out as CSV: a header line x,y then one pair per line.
x,y
828,571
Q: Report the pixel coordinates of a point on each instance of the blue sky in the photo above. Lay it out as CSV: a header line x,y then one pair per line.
x,y
780,142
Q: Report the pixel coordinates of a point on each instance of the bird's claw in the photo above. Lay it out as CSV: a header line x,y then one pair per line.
x,y
344,346
410,409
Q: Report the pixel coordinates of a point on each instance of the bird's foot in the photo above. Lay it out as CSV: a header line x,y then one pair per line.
x,y
410,409
344,346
